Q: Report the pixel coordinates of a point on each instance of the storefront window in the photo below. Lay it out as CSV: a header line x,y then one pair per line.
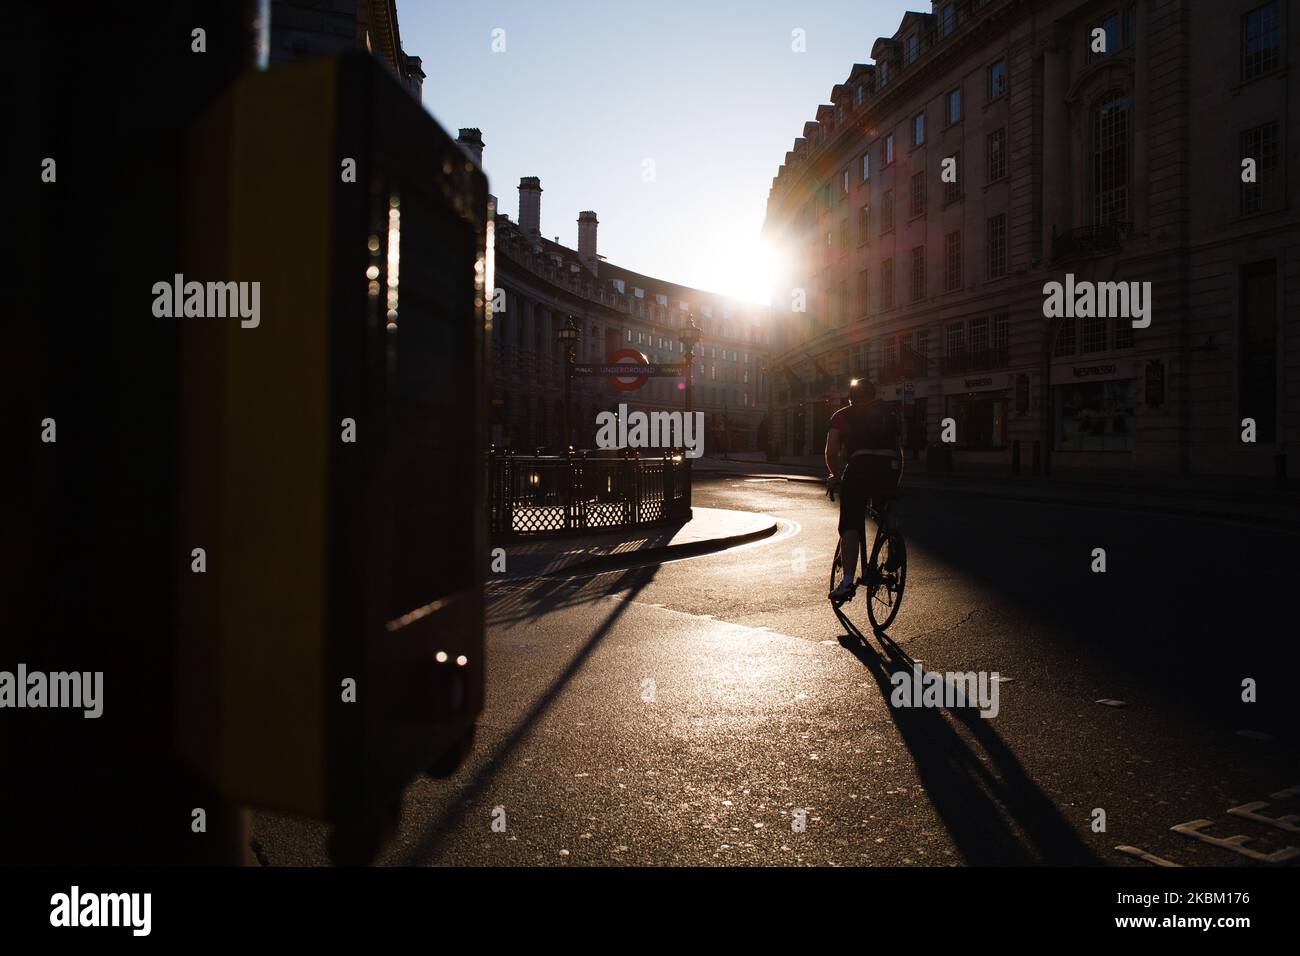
x,y
1095,416
981,419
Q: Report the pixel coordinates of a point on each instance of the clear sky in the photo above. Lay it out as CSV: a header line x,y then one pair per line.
x,y
586,92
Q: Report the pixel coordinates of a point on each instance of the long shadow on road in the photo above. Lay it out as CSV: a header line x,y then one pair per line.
x,y
1185,610
995,819
545,596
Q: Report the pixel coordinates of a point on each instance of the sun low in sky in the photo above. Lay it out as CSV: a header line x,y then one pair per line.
x,y
669,119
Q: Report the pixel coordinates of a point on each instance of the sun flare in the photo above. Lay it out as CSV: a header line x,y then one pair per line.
x,y
746,268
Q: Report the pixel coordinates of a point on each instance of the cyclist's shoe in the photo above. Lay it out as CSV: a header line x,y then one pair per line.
x,y
844,592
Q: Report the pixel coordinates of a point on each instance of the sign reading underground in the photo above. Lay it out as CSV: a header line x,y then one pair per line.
x,y
628,369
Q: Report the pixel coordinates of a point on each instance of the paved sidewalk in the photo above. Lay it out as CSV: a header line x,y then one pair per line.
x,y
1253,500
710,529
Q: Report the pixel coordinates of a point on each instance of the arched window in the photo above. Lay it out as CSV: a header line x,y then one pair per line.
x,y
1111,126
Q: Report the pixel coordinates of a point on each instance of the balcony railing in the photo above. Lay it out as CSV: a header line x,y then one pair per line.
x,y
959,362
1103,239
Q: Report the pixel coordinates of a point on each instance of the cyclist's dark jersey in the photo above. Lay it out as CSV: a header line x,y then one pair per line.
x,y
870,425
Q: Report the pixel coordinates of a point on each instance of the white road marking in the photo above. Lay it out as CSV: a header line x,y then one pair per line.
x,y
1142,854
1234,843
1249,811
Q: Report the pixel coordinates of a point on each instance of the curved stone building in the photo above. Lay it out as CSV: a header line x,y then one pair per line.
x,y
540,282
1100,141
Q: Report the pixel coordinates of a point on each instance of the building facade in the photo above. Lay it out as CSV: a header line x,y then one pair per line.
x,y
540,283
996,146
301,28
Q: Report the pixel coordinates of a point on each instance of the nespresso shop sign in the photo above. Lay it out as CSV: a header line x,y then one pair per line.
x,y
1101,370
976,383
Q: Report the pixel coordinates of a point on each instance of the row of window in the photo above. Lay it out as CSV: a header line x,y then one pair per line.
x,y
983,340
986,339
912,50
995,169
733,375
983,343
1109,165
596,342
952,115
670,344
948,19
1088,335
1260,54
995,266
1111,128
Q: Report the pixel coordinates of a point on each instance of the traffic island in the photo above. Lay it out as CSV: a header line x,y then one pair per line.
x,y
708,530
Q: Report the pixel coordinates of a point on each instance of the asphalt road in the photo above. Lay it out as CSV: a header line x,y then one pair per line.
x,y
686,712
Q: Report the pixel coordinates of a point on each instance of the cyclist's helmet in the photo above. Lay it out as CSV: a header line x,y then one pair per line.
x,y
861,391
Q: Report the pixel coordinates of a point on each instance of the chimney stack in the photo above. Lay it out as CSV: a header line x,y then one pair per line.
x,y
587,224
530,206
471,140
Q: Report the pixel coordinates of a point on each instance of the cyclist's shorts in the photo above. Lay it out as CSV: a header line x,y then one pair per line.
x,y
867,478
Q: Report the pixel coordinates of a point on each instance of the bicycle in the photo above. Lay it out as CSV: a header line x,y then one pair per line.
x,y
884,575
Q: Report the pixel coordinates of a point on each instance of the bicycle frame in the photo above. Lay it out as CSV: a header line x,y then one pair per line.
x,y
868,573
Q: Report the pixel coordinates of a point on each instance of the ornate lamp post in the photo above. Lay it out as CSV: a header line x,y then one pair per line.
x,y
568,337
690,337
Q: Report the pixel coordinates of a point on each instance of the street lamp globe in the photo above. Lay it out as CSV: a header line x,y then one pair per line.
x,y
568,332
690,335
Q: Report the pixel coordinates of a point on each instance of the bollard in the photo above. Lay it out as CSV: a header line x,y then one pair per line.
x,y
1015,457
1038,460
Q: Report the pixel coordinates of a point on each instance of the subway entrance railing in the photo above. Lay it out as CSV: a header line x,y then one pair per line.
x,y
585,491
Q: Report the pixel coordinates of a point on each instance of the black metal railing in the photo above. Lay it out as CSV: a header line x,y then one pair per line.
x,y
585,491
980,361
1090,240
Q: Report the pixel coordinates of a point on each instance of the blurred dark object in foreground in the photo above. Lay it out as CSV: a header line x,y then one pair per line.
x,y
96,537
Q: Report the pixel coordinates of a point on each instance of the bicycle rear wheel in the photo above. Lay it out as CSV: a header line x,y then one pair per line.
x,y
886,578
837,567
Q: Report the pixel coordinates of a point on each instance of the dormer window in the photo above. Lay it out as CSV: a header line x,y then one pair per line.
x,y
618,284
913,48
882,73
947,19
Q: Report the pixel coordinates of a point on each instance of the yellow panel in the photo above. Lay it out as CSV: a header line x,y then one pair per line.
x,y
271,468
277,431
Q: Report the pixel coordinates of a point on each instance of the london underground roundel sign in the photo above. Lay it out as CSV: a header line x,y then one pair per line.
x,y
628,383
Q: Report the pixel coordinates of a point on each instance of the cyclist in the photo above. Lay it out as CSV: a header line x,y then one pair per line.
x,y
867,434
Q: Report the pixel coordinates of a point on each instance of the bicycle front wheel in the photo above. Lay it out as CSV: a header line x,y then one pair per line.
x,y
888,575
836,566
